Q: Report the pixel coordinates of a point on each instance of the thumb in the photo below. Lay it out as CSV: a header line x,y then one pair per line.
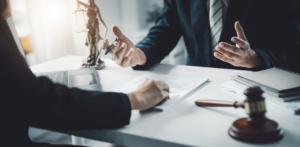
x,y
239,30
118,33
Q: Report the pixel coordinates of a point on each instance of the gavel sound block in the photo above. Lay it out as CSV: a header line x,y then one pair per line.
x,y
254,129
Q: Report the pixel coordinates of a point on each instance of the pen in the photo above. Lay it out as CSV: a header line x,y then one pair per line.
x,y
109,48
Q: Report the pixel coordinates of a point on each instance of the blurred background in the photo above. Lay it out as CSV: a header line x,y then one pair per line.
x,y
47,27
47,31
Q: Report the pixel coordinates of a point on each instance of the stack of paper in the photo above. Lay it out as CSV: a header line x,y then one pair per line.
x,y
279,83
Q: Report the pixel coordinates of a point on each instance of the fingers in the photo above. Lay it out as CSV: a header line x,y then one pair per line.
x,y
128,57
115,48
229,48
122,50
162,101
226,53
118,33
239,30
120,54
243,44
223,58
105,44
163,86
113,51
165,94
165,89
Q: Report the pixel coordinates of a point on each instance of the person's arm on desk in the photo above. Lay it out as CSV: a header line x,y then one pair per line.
x,y
29,101
159,42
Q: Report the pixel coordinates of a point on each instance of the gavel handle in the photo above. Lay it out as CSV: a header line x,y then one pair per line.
x,y
216,103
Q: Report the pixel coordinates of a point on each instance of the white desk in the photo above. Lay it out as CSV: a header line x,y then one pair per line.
x,y
184,124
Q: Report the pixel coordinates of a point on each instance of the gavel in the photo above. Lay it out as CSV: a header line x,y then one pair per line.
x,y
254,129
217,103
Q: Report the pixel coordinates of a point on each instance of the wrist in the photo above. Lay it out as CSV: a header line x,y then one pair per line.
x,y
143,58
133,100
257,61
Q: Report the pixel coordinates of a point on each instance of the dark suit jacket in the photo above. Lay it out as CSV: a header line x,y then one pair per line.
x,y
272,28
29,101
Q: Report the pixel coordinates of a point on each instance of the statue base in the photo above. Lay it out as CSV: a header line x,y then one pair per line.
x,y
98,66
269,132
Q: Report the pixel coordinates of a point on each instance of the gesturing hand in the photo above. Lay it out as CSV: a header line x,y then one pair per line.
x,y
124,52
240,55
148,94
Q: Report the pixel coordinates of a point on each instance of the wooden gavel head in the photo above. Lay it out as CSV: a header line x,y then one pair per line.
x,y
256,128
255,106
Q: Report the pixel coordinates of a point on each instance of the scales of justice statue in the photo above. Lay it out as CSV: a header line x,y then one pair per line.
x,y
92,11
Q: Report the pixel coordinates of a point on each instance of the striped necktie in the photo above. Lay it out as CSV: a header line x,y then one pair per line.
x,y
216,22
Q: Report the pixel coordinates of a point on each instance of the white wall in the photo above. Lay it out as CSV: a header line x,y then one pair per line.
x,y
51,33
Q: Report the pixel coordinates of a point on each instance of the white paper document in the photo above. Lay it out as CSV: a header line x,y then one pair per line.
x,y
180,86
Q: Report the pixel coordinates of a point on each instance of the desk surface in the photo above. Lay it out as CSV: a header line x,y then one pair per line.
x,y
183,124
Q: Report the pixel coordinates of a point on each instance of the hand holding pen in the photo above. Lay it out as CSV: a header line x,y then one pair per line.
x,y
109,48
123,51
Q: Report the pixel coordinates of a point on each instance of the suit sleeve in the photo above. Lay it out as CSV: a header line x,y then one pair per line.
x,y
163,37
26,99
287,54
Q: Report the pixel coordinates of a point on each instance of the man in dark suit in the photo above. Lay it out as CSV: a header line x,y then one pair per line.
x,y
29,101
209,29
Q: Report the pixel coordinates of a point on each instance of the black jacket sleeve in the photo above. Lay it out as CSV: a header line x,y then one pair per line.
x,y
163,37
285,51
28,100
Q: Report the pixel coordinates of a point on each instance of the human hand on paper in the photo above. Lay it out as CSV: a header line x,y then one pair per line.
x,y
124,52
148,94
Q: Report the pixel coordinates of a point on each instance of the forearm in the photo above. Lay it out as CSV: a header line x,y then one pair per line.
x,y
289,59
28,100
76,109
163,37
